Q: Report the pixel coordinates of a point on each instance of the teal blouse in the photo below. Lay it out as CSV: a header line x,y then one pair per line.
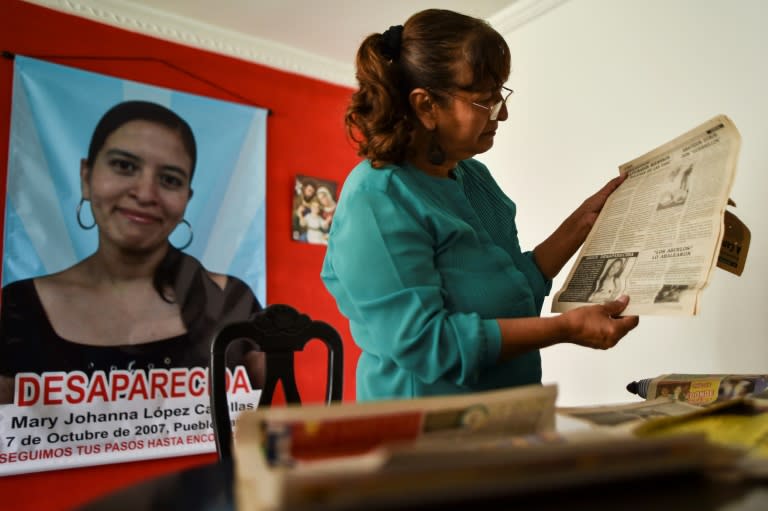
x,y
422,266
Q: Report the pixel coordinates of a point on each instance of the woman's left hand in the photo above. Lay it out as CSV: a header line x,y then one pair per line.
x,y
586,214
556,250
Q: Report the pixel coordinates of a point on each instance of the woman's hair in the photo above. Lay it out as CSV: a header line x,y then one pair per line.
x,y
127,111
428,51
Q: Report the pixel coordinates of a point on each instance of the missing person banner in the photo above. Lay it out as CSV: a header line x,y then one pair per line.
x,y
69,397
66,420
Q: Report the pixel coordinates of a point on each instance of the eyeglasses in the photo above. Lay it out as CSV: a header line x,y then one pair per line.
x,y
495,109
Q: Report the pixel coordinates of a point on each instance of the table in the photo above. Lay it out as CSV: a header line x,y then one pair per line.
x,y
209,488
203,488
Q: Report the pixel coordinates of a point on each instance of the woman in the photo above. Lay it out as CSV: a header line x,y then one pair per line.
x,y
137,302
609,285
423,256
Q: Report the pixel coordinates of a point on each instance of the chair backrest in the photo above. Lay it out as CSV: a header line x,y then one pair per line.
x,y
279,331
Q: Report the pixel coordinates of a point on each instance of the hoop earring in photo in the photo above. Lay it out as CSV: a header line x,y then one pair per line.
x,y
79,220
191,234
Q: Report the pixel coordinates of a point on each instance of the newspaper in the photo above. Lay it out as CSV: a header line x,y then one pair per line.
x,y
399,454
353,428
739,423
624,418
658,236
730,410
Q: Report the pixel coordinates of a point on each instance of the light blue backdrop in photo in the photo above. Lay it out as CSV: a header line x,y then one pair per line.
x,y
55,109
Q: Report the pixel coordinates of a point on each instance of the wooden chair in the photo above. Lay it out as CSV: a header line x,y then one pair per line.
x,y
279,331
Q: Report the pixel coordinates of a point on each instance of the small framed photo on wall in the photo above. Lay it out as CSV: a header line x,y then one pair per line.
x,y
314,203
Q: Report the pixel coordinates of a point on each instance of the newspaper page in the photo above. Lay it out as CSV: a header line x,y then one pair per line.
x,y
658,236
623,418
739,423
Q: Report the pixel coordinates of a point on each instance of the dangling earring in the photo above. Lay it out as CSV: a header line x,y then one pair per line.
x,y
79,220
191,234
435,153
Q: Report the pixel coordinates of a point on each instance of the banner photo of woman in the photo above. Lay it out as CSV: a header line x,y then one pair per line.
x,y
134,229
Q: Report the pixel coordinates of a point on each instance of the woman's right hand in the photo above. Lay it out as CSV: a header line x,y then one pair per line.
x,y
599,326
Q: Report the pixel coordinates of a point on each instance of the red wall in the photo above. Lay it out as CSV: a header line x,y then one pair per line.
x,y
305,135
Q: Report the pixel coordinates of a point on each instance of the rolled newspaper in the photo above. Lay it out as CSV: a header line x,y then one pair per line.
x,y
700,389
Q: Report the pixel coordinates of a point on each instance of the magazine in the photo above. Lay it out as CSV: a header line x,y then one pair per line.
x,y
663,230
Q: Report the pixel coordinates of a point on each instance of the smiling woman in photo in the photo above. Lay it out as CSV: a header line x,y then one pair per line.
x,y
137,302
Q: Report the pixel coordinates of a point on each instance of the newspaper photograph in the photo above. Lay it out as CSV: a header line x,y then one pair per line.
x,y
658,236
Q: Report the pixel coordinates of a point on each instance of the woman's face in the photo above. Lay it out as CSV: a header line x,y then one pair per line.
x,y
465,129
139,185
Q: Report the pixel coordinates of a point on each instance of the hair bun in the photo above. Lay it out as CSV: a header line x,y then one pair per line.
x,y
390,42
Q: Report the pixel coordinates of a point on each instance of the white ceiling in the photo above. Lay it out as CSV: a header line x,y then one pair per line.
x,y
317,38
329,28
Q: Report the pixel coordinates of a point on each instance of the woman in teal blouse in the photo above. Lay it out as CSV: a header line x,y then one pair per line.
x,y
423,256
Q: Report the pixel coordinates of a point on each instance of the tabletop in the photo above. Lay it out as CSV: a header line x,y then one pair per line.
x,y
210,488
